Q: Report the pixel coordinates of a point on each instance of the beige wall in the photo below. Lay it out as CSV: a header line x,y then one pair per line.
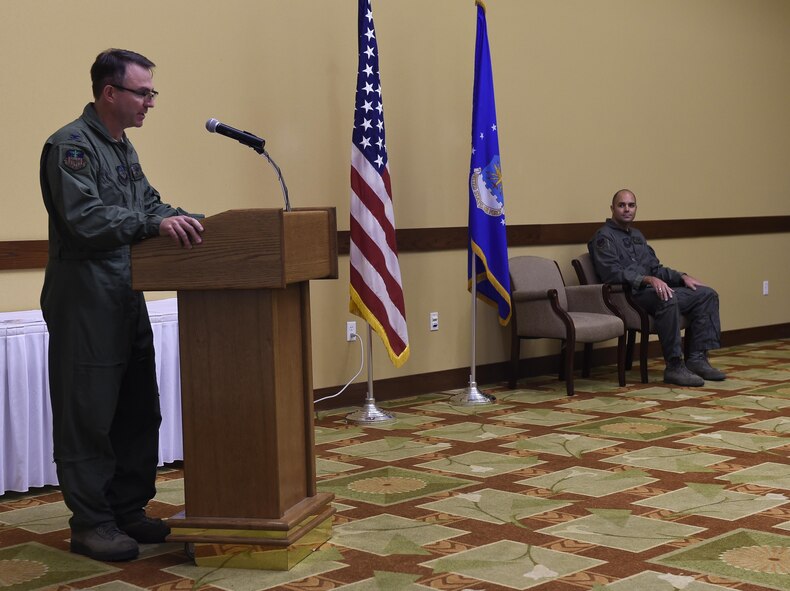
x,y
684,102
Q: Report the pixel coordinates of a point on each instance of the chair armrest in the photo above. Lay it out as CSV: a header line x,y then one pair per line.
x,y
644,317
629,295
614,287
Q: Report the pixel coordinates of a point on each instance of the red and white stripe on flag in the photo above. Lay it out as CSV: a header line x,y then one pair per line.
x,y
376,287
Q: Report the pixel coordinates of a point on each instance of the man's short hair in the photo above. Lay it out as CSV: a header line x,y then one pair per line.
x,y
110,68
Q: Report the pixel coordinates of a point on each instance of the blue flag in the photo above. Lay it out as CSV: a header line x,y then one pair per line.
x,y
487,231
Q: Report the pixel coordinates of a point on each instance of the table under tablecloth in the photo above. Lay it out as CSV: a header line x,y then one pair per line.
x,y
25,415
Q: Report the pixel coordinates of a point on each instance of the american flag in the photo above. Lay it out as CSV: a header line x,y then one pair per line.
x,y
376,287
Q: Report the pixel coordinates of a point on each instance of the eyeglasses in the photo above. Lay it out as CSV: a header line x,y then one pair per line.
x,y
149,95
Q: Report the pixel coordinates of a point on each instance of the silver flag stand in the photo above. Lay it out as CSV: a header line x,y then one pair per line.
x,y
370,414
472,396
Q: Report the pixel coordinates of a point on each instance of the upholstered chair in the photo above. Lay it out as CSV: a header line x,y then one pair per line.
x,y
544,307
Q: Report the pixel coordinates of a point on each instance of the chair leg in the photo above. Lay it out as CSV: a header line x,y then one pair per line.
x,y
621,360
629,350
563,351
515,353
587,361
570,347
643,356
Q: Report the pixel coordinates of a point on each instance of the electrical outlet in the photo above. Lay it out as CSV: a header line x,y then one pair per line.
x,y
351,330
765,287
434,320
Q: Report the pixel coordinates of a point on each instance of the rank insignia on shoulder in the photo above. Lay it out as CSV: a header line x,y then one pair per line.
x,y
637,240
75,159
75,137
136,170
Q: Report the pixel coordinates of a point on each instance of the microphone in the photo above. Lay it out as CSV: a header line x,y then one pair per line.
x,y
243,137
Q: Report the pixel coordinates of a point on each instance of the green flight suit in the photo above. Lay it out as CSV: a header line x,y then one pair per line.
x,y
624,256
102,378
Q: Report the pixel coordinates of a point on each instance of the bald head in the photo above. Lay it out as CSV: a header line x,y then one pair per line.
x,y
623,208
622,193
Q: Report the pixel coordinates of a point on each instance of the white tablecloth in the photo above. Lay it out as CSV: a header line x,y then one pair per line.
x,y
25,415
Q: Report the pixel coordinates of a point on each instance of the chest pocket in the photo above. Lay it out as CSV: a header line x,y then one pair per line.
x,y
114,184
137,182
640,248
634,249
122,186
136,171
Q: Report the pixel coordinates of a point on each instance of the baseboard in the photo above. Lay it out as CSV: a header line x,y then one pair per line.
x,y
449,379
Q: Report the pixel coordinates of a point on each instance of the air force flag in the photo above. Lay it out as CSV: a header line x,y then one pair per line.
x,y
487,231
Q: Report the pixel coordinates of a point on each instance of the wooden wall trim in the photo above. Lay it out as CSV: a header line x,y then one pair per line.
x,y
23,254
32,254
435,239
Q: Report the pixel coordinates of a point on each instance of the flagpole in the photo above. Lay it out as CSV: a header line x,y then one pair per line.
x,y
370,413
487,236
472,396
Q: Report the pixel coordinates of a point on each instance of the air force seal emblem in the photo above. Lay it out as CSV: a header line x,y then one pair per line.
x,y
487,188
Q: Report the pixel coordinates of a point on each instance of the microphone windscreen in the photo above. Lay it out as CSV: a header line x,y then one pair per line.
x,y
211,125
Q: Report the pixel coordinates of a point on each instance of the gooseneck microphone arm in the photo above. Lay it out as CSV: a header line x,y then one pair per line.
x,y
252,141
284,189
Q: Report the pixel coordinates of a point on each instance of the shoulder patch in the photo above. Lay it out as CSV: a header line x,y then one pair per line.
x,y
602,243
75,159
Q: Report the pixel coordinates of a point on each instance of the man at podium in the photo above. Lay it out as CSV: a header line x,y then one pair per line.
x,y
103,389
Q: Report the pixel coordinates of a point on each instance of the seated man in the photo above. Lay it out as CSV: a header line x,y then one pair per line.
x,y
621,255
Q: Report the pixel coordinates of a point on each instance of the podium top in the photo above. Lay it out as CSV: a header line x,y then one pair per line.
x,y
243,249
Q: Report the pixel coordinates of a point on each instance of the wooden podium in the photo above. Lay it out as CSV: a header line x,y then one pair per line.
x,y
246,382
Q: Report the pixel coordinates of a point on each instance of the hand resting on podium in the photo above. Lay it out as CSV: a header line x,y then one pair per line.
x,y
182,229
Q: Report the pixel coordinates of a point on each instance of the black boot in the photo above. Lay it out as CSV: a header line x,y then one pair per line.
x,y
698,363
677,373
144,529
104,542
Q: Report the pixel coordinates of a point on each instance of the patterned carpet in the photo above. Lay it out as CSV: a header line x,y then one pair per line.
x,y
642,488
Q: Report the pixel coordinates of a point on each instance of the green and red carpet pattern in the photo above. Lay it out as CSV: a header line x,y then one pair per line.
x,y
642,488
